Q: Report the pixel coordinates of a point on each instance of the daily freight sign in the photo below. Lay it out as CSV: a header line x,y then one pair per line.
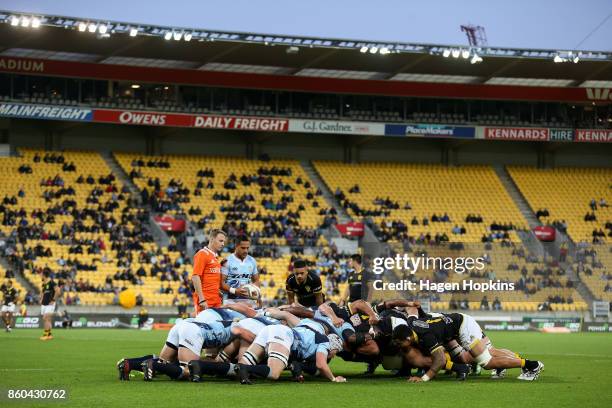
x,y
430,131
194,121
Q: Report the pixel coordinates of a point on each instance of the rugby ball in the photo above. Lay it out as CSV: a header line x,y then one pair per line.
x,y
253,291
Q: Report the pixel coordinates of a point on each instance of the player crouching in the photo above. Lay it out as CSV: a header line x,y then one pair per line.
x,y
279,343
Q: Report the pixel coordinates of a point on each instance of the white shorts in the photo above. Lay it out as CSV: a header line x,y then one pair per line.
x,y
278,333
10,308
190,337
173,336
252,325
470,332
47,309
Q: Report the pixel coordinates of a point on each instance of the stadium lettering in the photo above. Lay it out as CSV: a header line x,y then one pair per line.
x,y
213,122
142,118
516,133
43,112
274,125
599,94
429,130
594,135
21,65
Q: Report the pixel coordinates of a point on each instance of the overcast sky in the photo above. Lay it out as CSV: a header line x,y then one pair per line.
x,y
551,24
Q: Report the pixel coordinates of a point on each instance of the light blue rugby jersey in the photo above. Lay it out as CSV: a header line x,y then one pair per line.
x,y
238,272
215,334
307,343
340,331
217,314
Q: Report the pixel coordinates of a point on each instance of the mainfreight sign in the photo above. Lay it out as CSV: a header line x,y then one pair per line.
x,y
430,131
18,110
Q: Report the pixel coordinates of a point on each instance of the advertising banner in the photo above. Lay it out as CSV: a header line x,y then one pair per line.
x,y
597,327
430,130
351,229
129,117
561,135
544,233
337,127
594,135
168,223
49,112
508,133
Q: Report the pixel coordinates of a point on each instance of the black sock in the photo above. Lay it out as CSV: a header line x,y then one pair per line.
x,y
172,370
310,367
214,368
530,365
459,368
259,370
136,363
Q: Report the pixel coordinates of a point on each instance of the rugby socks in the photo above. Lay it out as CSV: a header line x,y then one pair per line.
x,y
172,370
46,332
215,368
259,370
529,364
136,363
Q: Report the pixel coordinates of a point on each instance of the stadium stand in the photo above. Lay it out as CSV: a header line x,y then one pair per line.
x,y
168,102
538,285
574,198
66,214
593,264
409,201
276,198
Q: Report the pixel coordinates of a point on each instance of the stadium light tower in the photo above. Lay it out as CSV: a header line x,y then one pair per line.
x,y
477,37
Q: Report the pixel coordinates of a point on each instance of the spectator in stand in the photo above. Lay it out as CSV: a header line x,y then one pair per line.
x,y
484,304
497,304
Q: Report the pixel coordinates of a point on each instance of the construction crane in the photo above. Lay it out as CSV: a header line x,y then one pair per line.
x,y
477,37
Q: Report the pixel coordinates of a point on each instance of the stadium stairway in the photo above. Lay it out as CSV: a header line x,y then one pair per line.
x,y
529,239
315,177
516,195
160,236
580,286
19,278
121,174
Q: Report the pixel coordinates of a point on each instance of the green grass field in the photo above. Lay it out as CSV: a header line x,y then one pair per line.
x,y
82,361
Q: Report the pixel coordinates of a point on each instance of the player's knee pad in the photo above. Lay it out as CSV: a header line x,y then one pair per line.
x,y
483,358
250,358
279,356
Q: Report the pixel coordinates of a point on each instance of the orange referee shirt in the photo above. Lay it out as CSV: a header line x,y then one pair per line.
x,y
207,267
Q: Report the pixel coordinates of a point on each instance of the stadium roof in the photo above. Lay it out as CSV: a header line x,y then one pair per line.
x,y
105,42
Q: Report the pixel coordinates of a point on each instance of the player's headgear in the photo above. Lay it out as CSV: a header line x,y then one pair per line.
x,y
335,342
